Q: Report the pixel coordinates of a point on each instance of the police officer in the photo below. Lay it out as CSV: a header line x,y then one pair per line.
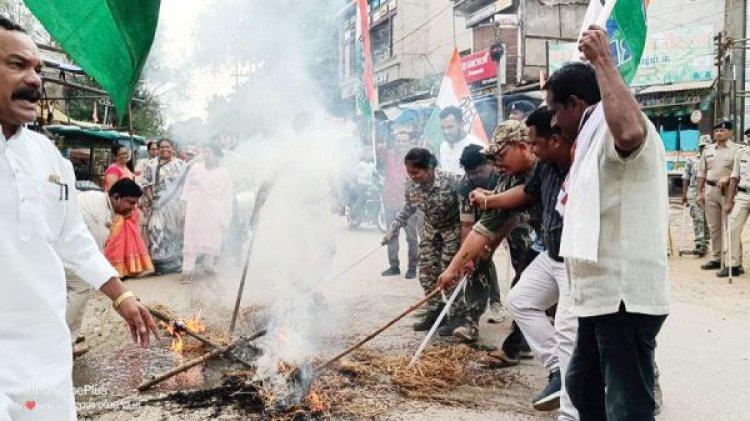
x,y
689,193
714,170
738,209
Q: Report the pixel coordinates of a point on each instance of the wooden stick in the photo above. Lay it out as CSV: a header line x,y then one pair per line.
x,y
192,363
260,199
380,330
163,317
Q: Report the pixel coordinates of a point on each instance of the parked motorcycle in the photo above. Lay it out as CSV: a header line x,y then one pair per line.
x,y
365,207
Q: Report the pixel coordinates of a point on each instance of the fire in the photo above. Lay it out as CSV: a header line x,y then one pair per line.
x,y
177,329
177,344
315,402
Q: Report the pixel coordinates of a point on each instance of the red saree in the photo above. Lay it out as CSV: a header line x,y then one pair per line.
x,y
125,249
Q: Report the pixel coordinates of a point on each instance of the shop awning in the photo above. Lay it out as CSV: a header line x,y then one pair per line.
x,y
100,135
677,87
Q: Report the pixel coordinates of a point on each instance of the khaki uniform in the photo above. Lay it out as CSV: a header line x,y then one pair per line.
x,y
716,162
741,210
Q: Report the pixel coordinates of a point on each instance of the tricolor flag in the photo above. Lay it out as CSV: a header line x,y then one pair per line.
x,y
454,91
625,21
366,94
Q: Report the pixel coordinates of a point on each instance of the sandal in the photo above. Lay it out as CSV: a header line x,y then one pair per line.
x,y
498,359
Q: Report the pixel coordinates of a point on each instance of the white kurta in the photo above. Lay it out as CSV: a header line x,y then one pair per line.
x,y
42,233
450,155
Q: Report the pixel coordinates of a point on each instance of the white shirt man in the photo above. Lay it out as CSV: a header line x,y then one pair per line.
x,y
455,140
97,214
450,153
43,232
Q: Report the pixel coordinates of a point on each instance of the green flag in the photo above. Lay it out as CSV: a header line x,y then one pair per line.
x,y
109,39
627,33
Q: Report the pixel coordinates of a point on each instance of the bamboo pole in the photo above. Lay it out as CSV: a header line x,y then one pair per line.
x,y
192,363
380,330
260,199
164,318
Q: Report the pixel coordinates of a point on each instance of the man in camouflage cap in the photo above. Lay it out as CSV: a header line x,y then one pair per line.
x,y
510,150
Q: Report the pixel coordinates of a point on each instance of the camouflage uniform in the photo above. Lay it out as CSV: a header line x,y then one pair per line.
x,y
523,237
477,292
442,228
696,212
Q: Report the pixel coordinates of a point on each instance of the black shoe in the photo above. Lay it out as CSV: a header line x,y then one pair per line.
x,y
700,252
711,265
736,271
411,274
428,320
446,328
549,398
391,271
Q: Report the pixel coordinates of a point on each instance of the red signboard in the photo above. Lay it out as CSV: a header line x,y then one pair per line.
x,y
478,66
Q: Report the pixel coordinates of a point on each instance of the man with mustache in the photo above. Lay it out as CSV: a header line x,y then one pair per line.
x,y
43,233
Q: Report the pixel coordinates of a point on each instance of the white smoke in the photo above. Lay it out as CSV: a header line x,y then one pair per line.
x,y
279,115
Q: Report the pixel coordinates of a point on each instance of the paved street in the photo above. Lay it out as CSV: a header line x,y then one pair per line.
x,y
703,354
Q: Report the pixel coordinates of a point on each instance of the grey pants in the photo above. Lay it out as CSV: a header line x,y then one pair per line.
x,y
411,240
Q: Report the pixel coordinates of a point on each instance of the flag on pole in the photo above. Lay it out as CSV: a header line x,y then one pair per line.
x,y
454,91
625,21
366,97
109,39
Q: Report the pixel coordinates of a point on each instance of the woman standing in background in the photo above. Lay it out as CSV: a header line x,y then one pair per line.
x,y
125,248
208,211
163,185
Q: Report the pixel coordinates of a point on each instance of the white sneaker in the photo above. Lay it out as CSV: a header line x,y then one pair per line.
x,y
497,313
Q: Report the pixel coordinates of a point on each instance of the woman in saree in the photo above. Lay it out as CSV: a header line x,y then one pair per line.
x,y
208,211
163,185
125,248
145,204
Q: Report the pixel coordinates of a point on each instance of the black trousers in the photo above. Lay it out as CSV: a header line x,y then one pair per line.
x,y
611,372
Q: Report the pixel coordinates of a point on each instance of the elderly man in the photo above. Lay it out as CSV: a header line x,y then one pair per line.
x,y
43,233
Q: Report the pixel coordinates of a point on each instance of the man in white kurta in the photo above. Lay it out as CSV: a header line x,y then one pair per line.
x,y
98,209
456,140
43,233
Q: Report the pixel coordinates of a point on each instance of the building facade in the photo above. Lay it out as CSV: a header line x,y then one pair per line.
x,y
411,44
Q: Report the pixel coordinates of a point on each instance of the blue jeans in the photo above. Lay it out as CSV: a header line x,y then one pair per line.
x,y
611,373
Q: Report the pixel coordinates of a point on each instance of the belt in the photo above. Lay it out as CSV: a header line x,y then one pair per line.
x,y
711,183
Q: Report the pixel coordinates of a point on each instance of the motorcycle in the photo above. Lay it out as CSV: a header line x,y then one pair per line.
x,y
365,208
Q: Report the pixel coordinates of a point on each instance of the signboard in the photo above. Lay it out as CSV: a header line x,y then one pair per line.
x,y
478,66
481,15
678,55
560,54
506,20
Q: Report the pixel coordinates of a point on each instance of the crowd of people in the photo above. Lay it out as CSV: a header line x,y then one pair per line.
x,y
159,219
578,189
